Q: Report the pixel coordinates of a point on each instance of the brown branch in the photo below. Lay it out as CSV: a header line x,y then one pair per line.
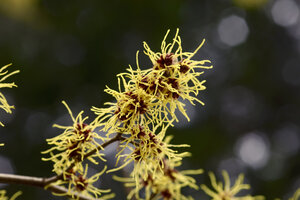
x,y
114,139
39,182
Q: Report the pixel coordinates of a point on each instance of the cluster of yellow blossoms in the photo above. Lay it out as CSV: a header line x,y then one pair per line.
x,y
69,152
71,146
144,108
151,96
167,184
4,74
227,192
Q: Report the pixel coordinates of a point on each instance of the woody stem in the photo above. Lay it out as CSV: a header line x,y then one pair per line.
x,y
39,182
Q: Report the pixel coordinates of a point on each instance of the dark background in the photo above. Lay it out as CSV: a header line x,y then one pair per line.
x,y
69,50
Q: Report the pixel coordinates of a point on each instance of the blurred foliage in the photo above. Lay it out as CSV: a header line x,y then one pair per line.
x,y
25,10
250,4
69,50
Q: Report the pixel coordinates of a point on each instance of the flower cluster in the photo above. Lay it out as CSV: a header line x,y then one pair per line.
x,y
69,151
166,184
4,74
227,192
77,181
149,153
145,107
174,74
132,106
152,95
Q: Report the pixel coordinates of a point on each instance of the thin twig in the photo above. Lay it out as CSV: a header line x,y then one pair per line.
x,y
114,139
39,182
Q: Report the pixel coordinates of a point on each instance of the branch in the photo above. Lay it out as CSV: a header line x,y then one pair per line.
x,y
39,182
114,139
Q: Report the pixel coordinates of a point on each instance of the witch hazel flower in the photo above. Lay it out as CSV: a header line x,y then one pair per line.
x,y
151,96
145,106
174,75
132,107
148,151
149,156
73,144
167,184
79,182
4,74
226,191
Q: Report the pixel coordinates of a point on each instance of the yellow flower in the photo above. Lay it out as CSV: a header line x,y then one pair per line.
x,y
72,145
3,102
132,107
227,192
174,75
151,96
167,184
148,151
145,107
4,197
77,182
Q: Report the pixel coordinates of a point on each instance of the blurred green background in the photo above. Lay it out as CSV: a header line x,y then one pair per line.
x,y
69,50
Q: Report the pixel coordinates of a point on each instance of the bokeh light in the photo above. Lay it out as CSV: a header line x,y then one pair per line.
x,y
253,150
233,30
285,12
